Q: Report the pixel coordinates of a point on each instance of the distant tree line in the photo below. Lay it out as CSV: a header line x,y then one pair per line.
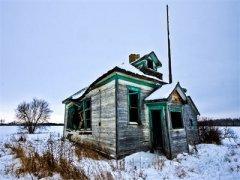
x,y
219,122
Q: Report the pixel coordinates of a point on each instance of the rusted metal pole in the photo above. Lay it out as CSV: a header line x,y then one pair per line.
x,y
169,50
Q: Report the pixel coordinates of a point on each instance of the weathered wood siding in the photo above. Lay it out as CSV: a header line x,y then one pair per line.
x,y
178,137
166,133
131,137
190,123
103,136
178,141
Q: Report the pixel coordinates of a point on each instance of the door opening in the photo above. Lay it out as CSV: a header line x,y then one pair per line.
x,y
157,143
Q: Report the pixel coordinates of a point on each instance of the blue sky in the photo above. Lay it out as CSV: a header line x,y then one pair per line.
x,y
50,49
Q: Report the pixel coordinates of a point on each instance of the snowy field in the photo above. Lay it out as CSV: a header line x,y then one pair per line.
x,y
209,162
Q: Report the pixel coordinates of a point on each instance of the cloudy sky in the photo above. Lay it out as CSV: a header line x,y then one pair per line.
x,y
50,49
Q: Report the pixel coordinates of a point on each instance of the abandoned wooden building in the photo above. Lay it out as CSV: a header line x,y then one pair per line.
x,y
130,108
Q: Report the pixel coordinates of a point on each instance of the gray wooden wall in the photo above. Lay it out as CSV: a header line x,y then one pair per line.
x,y
191,130
103,113
124,137
131,137
178,137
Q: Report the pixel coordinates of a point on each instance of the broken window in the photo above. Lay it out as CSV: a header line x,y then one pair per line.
x,y
150,64
176,118
72,120
88,114
79,116
134,104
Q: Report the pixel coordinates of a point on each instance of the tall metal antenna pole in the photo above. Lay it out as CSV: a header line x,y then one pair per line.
x,y
169,51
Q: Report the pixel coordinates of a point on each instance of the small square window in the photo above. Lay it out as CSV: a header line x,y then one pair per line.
x,y
176,118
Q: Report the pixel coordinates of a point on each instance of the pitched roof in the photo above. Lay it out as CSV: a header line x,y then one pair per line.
x,y
193,105
162,93
76,95
151,55
165,91
123,68
130,68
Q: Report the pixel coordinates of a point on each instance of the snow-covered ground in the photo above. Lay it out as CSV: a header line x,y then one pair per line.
x,y
210,162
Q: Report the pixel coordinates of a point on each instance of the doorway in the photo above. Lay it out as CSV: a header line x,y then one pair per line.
x,y
157,142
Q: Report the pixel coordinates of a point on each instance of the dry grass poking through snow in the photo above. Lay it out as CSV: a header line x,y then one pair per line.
x,y
42,157
45,164
86,150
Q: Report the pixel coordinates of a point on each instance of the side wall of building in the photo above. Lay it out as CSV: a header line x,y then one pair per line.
x,y
103,113
190,123
178,137
131,137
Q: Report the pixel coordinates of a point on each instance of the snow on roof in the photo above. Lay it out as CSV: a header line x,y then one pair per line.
x,y
79,93
131,68
124,66
162,93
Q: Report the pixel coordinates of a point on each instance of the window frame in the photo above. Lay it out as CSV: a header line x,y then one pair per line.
x,y
177,109
138,92
81,108
90,113
70,122
179,128
152,64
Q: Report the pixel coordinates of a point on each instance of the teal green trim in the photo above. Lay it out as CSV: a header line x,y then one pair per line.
x,y
151,56
155,59
143,62
175,108
133,88
139,63
156,105
133,80
111,78
153,85
80,107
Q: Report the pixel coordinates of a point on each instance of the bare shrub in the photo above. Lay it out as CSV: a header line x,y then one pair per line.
x,y
210,134
16,149
32,114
